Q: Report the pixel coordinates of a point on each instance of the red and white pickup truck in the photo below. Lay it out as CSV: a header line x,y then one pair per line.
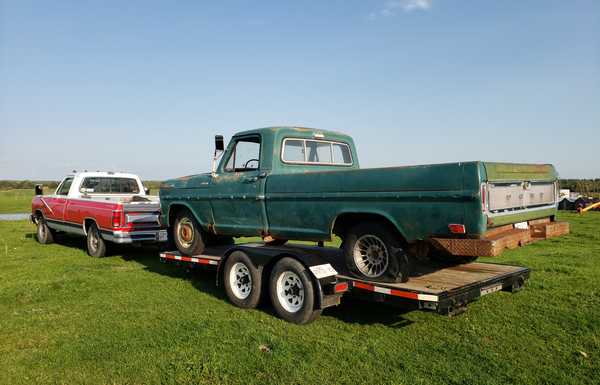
x,y
103,206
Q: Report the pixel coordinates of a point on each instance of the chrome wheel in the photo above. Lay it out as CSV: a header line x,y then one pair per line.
x,y
185,232
290,291
371,255
240,280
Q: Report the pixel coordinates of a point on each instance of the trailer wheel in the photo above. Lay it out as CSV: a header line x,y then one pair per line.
x,y
44,234
242,281
188,234
373,252
96,247
292,292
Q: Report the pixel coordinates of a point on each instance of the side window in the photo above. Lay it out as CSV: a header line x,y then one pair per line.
x,y
245,155
294,151
65,186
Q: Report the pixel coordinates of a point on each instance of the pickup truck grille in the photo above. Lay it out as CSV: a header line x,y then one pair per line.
x,y
514,196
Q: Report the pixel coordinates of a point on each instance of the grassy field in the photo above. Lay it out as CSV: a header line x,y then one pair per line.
x,y
128,319
15,201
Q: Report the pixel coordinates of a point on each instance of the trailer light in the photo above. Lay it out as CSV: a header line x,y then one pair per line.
x,y
340,287
116,219
457,228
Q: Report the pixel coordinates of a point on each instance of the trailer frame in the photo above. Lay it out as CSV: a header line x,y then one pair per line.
x,y
445,289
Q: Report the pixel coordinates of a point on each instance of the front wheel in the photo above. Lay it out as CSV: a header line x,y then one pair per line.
x,y
96,247
44,234
188,234
373,252
292,292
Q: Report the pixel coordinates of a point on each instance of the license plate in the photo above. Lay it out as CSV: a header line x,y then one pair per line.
x,y
491,289
162,235
322,271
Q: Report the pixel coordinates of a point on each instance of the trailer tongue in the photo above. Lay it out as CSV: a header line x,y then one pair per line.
x,y
304,280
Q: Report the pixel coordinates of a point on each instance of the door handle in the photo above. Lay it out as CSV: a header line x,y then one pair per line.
x,y
255,179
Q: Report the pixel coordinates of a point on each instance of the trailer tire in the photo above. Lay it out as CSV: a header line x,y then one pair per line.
x,y
373,252
44,234
292,292
96,247
242,281
187,234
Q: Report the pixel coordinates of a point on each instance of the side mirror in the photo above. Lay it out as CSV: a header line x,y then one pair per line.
x,y
219,143
39,189
147,190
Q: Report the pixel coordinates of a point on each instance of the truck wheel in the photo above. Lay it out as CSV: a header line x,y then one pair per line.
x,y
96,247
292,292
187,234
373,252
242,280
44,234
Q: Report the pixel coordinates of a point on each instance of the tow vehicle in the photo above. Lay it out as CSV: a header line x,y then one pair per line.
x,y
303,280
102,206
292,183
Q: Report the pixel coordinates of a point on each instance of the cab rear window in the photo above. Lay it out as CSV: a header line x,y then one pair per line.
x,y
108,185
323,152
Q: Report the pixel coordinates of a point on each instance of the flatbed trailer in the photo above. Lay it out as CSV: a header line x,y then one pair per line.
x,y
303,280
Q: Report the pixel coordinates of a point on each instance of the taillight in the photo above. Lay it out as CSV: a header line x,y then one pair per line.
x,y
116,218
483,197
340,287
457,228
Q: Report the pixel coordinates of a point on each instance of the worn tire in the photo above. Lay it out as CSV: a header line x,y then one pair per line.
x,y
292,292
187,234
242,280
44,234
96,247
391,262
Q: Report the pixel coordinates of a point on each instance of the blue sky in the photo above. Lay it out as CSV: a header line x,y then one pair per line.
x,y
143,86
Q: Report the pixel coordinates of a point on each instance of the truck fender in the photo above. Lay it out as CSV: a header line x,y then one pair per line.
x,y
374,214
202,224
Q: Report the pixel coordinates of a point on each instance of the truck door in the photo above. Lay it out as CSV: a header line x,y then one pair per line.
x,y
57,203
237,190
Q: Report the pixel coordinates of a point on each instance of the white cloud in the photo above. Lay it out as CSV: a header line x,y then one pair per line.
x,y
392,7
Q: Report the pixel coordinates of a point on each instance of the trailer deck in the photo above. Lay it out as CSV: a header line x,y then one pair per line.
x,y
446,289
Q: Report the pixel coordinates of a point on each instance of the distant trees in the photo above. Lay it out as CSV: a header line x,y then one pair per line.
x,y
585,187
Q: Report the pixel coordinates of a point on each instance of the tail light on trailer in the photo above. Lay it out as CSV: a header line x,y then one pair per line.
x,y
116,218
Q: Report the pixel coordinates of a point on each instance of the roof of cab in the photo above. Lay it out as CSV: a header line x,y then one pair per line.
x,y
103,174
291,130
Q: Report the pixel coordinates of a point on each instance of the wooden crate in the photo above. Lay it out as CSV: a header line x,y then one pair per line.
x,y
549,230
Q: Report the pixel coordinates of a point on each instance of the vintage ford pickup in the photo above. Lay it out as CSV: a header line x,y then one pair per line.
x,y
289,183
102,206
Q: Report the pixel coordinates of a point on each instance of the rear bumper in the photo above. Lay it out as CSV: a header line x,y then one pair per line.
x,y
496,240
136,236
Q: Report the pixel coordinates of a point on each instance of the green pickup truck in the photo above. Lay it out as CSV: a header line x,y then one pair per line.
x,y
290,183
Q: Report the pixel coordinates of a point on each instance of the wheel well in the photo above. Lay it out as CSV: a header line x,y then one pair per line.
x,y
344,223
38,214
87,223
174,210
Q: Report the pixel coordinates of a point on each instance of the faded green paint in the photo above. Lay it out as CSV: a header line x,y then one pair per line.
x,y
298,201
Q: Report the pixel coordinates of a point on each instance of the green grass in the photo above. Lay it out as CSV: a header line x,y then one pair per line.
x,y
15,201
128,319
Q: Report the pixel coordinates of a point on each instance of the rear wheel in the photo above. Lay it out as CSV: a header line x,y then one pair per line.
x,y
96,247
242,280
44,234
187,234
292,292
373,252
